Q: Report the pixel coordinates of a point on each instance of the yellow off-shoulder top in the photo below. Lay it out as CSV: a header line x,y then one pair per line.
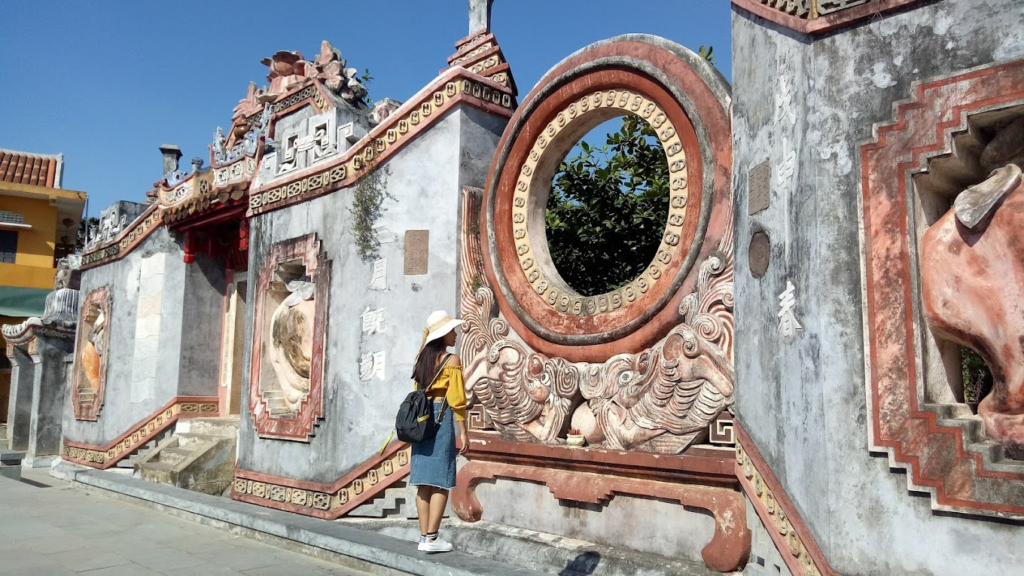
x,y
449,384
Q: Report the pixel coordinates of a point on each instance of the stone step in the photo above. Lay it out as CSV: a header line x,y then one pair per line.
x,y
146,448
224,427
398,501
174,455
188,439
157,466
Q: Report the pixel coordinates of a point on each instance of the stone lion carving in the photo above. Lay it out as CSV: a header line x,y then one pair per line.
x,y
291,343
972,281
659,400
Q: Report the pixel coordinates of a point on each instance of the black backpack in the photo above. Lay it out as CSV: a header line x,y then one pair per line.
x,y
415,420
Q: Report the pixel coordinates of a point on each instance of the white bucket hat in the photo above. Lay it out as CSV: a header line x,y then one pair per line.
x,y
439,323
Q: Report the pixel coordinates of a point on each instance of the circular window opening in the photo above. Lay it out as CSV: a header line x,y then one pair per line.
x,y
608,205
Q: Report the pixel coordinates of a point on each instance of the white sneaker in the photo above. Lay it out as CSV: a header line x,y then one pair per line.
x,y
434,546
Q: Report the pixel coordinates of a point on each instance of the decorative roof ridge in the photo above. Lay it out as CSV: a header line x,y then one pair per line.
x,y
395,131
125,240
469,47
467,60
481,53
380,141
816,21
472,37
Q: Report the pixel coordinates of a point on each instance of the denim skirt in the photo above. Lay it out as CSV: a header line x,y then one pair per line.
x,y
433,459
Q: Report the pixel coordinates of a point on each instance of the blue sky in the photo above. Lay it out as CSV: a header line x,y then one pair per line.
x,y
106,82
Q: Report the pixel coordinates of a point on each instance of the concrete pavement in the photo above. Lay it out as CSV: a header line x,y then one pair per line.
x,y
57,530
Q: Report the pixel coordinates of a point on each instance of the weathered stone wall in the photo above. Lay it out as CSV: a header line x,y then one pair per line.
x,y
164,335
425,180
806,105
650,525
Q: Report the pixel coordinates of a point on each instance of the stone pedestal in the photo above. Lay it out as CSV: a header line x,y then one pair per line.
x,y
10,464
49,383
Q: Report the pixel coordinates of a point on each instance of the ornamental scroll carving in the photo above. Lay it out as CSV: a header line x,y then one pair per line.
x,y
661,399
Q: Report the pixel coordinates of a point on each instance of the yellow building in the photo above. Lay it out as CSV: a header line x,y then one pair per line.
x,y
38,225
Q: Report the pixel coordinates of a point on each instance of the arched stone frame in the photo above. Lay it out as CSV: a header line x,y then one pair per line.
x,y
547,351
304,252
931,446
88,388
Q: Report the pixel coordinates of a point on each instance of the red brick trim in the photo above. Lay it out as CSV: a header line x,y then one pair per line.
x,y
698,464
103,457
933,455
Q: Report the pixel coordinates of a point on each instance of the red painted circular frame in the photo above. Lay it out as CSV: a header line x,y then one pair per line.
x,y
714,117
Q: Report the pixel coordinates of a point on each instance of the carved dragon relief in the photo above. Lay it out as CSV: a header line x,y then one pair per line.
x,y
658,400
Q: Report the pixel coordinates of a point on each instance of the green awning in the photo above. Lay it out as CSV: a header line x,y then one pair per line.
x,y
22,302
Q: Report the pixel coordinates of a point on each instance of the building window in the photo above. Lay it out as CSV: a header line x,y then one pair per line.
x,y
11,217
8,246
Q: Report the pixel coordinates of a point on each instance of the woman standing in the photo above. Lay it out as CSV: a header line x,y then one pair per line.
x,y
433,459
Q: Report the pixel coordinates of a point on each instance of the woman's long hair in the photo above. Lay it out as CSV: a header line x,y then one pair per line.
x,y
426,362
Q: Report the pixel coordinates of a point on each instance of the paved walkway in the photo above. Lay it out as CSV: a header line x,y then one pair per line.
x,y
59,530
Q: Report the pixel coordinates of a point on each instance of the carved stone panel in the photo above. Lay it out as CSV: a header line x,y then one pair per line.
x,y
943,270
286,383
91,355
647,366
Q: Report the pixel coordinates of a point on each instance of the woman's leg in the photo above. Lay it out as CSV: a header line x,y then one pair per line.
x,y
424,496
438,502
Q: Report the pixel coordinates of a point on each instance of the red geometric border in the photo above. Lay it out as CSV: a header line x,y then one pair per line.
x,y
705,481
827,22
307,249
327,501
104,457
91,411
934,455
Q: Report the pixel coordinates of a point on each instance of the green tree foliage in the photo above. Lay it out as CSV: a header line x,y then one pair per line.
x,y
977,377
705,53
365,80
607,209
367,207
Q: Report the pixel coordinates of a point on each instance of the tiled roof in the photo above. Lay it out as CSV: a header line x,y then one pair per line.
x,y
33,169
